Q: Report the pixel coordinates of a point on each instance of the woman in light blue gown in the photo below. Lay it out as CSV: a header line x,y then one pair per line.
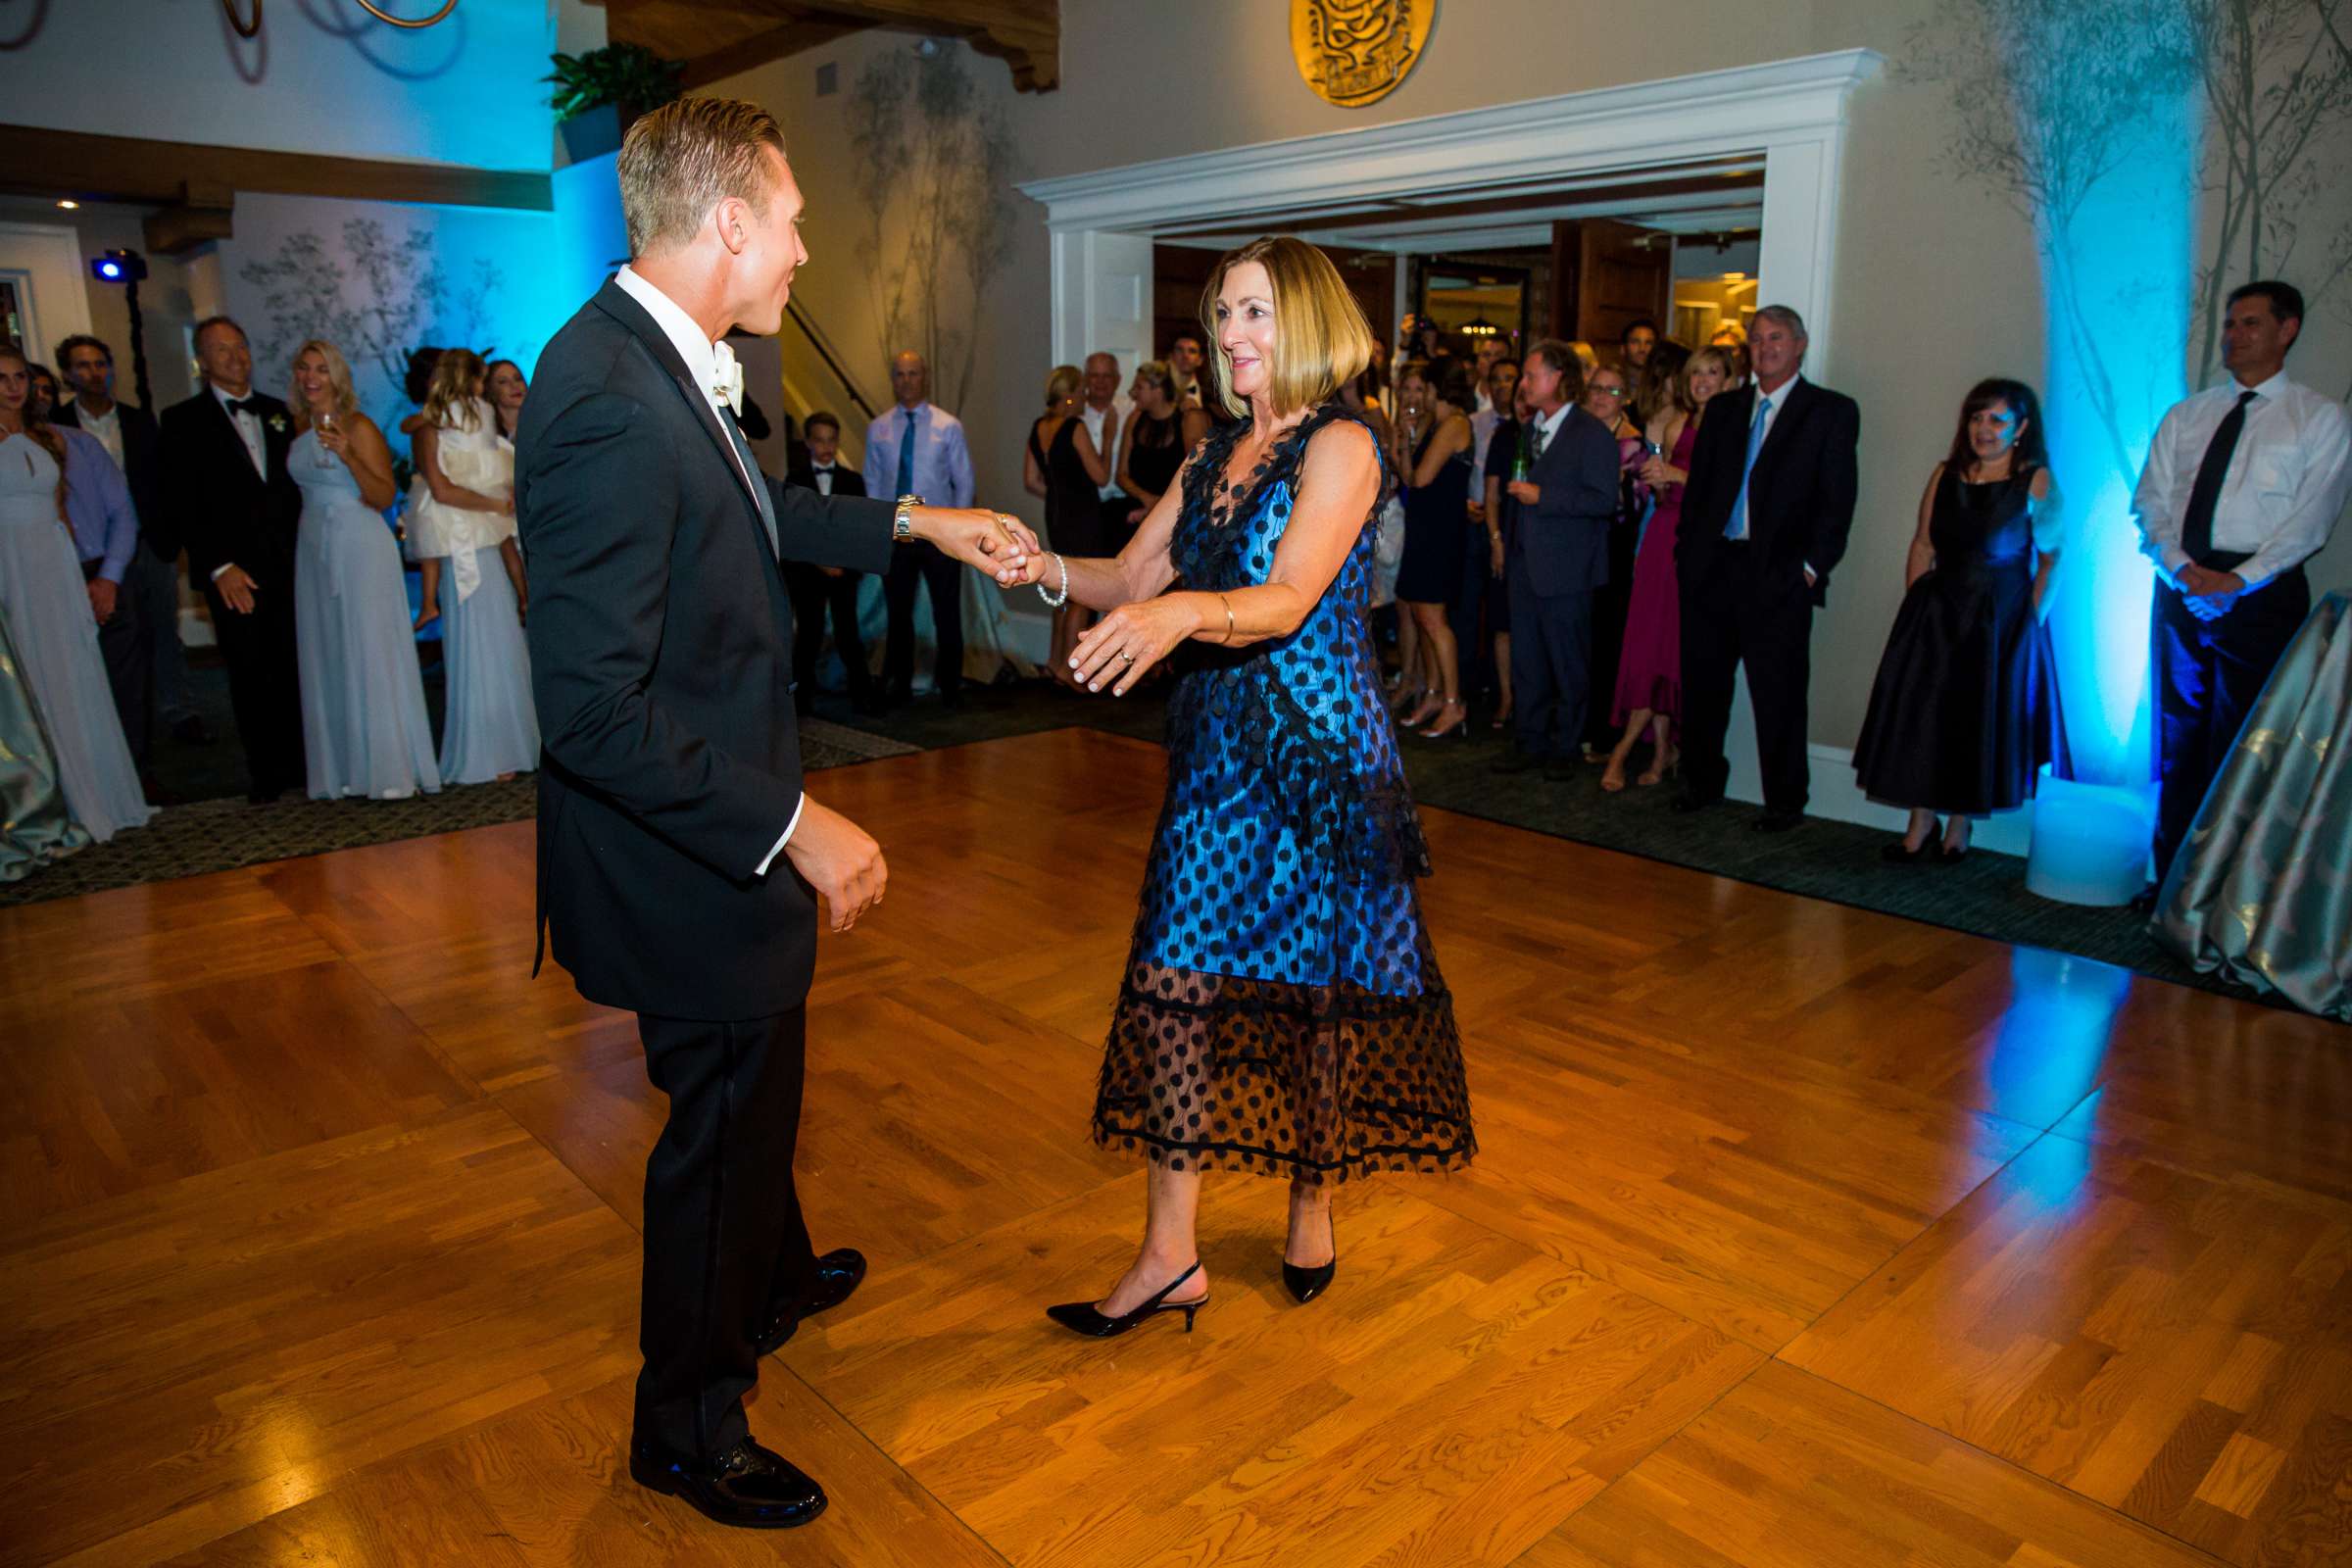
x,y
463,533
51,622
365,728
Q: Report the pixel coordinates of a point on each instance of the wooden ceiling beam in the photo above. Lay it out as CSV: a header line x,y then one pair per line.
x,y
36,160
762,48
1026,34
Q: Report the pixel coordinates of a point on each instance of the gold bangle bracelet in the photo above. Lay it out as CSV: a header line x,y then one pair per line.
x,y
1228,603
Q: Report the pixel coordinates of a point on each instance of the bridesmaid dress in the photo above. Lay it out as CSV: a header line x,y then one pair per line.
x,y
35,828
365,731
489,727
48,614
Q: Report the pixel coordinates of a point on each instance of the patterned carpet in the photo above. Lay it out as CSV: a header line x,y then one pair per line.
x,y
221,835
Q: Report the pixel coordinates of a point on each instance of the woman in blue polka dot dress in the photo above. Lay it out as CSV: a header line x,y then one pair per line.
x,y
1282,1011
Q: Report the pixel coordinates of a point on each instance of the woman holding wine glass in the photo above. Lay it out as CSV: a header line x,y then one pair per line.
x,y
364,724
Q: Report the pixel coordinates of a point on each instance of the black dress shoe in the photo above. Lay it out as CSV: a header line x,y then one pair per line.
x,y
1777,822
1305,1284
1691,801
838,1273
1515,760
1083,1317
748,1487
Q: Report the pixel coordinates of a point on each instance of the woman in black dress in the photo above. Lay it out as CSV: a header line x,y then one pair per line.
x,y
1160,431
1964,714
1433,453
1064,466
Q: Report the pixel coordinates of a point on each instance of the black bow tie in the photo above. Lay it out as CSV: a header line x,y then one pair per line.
x,y
252,406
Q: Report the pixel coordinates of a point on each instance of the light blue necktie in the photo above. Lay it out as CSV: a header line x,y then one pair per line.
x,y
906,457
1737,528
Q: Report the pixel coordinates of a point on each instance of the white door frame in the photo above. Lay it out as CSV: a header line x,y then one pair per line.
x,y
48,257
1792,111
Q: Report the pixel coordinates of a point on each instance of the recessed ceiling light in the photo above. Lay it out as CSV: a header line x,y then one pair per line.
x,y
70,206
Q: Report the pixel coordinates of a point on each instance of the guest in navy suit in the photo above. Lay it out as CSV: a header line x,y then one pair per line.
x,y
1764,522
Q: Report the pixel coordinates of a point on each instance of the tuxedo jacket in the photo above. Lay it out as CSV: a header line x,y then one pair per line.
x,y
1801,498
661,642
847,481
1563,539
215,502
142,457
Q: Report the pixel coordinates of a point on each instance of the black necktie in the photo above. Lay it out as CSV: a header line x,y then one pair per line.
x,y
2196,523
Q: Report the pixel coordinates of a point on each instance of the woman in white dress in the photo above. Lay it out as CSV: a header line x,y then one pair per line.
x,y
463,530
365,731
49,617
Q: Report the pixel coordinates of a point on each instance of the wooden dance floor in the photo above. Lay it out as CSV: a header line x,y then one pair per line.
x,y
1801,1235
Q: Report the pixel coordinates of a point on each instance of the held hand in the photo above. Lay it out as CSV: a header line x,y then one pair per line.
x,y
332,440
102,600
1526,494
1811,580
840,860
2203,582
993,541
237,590
1037,566
2212,608
1478,511
1128,641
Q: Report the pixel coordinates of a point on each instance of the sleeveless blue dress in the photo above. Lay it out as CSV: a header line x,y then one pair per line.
x,y
1282,1010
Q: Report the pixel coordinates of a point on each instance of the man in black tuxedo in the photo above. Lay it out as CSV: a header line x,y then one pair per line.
x,y
228,498
1557,555
815,589
679,859
1765,518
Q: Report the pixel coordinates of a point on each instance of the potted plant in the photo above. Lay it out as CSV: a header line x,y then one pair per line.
x,y
598,93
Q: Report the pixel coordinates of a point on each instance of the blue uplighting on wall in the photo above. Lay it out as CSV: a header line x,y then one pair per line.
x,y
2117,287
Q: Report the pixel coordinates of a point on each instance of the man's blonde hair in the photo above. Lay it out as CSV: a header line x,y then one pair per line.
x,y
1321,339
683,159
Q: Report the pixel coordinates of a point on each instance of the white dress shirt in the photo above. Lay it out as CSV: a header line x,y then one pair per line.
x,y
821,475
107,430
2285,486
1106,440
702,363
1482,431
942,464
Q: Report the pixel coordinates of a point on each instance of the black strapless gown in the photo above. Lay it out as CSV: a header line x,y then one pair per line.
x,y
1965,711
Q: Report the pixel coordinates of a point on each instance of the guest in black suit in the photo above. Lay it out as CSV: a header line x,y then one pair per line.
x,y
815,589
228,498
145,607
679,859
1556,556
1764,523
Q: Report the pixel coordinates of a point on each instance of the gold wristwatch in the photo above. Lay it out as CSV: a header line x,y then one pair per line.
x,y
902,522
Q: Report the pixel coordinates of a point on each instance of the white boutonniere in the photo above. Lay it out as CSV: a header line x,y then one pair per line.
x,y
277,422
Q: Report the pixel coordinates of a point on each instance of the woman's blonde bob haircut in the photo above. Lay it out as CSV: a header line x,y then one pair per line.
x,y
1061,383
1321,339
338,382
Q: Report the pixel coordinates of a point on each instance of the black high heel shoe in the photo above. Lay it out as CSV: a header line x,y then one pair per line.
x,y
1305,1284
1081,1317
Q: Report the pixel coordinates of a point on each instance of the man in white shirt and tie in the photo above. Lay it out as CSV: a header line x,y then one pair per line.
x,y
817,590
2243,483
1105,410
917,449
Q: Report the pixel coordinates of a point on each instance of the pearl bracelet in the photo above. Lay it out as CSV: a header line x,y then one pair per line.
x,y
1056,601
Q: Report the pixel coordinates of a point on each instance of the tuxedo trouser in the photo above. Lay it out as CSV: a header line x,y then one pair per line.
x,y
812,594
1736,611
2208,674
724,1241
1473,650
1552,651
124,643
265,677
944,578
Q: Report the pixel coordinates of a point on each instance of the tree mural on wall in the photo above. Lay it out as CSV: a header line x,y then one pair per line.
x,y
936,170
2036,125
2277,77
374,296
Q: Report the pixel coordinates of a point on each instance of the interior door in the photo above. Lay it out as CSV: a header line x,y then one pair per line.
x,y
1606,274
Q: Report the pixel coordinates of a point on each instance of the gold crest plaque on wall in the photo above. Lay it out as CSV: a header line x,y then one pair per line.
x,y
1354,52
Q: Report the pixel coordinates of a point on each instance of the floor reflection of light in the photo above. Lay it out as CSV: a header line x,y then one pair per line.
x,y
2052,1039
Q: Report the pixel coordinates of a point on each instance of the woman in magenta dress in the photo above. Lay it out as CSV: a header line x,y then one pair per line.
x,y
1649,670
